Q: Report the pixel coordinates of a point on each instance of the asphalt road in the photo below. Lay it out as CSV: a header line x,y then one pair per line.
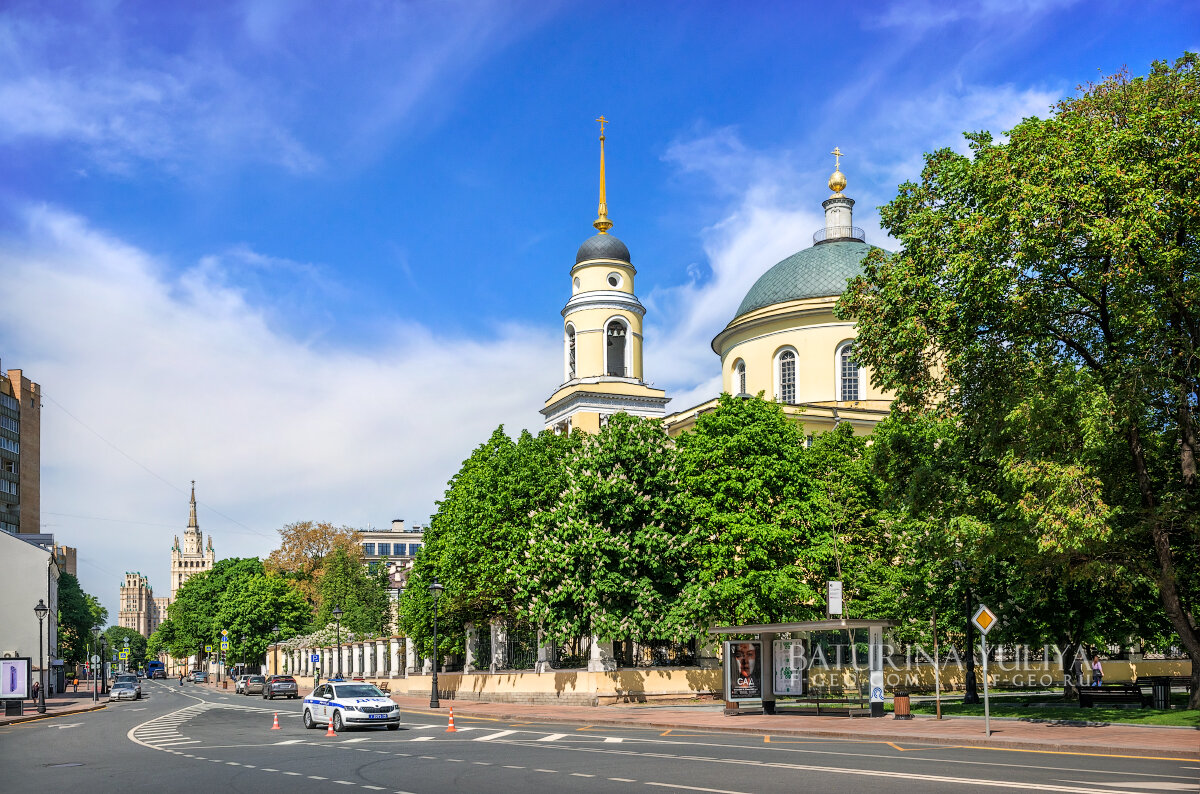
x,y
178,739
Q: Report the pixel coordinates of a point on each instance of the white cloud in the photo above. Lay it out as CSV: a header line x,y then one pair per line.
x,y
924,14
193,381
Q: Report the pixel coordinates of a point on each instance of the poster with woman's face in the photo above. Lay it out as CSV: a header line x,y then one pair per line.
x,y
743,670
14,678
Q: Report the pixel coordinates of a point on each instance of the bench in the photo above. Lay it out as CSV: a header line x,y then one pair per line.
x,y
823,706
384,687
1089,696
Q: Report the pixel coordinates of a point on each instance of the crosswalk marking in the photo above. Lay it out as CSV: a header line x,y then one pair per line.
x,y
423,739
552,737
495,735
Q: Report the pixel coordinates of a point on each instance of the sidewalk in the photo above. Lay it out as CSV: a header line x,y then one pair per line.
x,y
60,704
1122,740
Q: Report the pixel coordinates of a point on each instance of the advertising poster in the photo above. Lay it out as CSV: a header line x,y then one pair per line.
x,y
743,670
791,666
15,678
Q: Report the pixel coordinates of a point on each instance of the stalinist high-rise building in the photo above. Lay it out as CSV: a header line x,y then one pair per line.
x,y
193,556
602,335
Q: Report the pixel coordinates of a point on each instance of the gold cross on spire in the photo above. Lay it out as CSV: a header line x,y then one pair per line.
x,y
837,159
602,121
602,223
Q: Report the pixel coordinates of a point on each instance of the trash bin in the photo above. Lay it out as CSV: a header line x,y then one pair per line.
x,y
14,708
901,706
225,683
1160,688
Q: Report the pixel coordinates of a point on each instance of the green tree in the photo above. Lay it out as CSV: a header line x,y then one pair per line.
x,y
361,593
75,619
607,558
1059,271
195,613
251,609
115,636
758,544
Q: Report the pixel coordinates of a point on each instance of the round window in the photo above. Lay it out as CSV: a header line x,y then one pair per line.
x,y
614,280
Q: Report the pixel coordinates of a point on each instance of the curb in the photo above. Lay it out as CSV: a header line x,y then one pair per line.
x,y
35,717
946,741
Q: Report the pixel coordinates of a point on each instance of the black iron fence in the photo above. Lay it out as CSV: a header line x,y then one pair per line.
x,y
571,654
655,653
522,647
483,648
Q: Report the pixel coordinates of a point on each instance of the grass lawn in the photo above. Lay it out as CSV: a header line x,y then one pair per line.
x,y
1021,708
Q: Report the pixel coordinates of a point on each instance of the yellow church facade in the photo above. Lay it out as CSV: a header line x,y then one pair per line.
x,y
784,341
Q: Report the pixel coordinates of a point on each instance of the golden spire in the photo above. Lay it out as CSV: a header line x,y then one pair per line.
x,y
602,223
837,181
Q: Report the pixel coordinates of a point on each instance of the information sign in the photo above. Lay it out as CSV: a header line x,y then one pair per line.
x,y
95,659
743,670
316,658
208,649
833,597
791,666
123,655
224,646
984,619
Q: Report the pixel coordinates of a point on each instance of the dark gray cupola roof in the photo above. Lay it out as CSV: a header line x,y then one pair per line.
x,y
602,246
817,272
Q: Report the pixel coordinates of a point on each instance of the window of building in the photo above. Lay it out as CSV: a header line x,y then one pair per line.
x,y
10,445
848,374
8,423
413,548
9,402
787,377
615,280
617,339
10,466
369,549
385,549
740,371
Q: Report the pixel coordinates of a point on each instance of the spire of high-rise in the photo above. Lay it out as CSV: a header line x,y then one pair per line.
x,y
192,523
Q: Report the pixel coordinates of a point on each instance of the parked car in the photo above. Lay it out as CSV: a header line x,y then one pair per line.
x,y
255,685
199,677
280,685
349,704
131,680
239,686
123,690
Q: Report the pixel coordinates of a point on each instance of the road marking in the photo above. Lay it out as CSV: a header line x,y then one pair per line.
x,y
613,740
343,782
293,774
555,771
509,766
580,774
269,769
317,777
495,735
174,744
623,779
291,741
553,737
697,788
481,763
423,739
373,788
352,741
1138,785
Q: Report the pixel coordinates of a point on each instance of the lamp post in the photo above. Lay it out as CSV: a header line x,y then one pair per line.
x,y
337,617
971,685
103,664
435,590
275,645
95,664
41,610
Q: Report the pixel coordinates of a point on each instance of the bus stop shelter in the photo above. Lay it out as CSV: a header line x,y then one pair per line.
x,y
824,666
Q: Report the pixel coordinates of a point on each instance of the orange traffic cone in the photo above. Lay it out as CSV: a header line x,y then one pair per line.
x,y
330,731
451,728
275,724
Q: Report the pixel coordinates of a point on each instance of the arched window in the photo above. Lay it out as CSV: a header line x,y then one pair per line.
x,y
570,352
740,369
617,340
787,377
848,373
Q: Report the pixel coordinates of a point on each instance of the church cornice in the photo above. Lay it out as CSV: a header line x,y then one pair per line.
x,y
604,299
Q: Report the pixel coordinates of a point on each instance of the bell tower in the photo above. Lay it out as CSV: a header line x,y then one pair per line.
x,y
602,334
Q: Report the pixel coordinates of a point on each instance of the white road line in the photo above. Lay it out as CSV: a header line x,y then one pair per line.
x,y
509,766
552,737
495,735
697,788
613,740
373,788
351,741
420,727
291,741
623,779
580,774
423,739
176,744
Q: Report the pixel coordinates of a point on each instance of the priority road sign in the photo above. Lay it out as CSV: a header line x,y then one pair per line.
x,y
224,633
984,619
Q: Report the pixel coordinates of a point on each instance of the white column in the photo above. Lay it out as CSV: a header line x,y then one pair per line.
x,y
601,659
381,668
394,669
499,645
471,640
410,656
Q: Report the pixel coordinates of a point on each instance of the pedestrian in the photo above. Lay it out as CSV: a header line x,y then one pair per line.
x,y
37,687
1097,671
75,683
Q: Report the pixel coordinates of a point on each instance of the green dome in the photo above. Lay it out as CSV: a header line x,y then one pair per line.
x,y
818,272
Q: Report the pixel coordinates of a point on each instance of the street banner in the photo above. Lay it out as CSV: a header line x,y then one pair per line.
x,y
743,670
16,677
876,686
833,597
791,666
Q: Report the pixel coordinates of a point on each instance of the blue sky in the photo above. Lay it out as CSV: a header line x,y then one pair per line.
x,y
311,257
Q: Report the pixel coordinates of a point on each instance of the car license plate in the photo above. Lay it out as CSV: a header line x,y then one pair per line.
x,y
377,716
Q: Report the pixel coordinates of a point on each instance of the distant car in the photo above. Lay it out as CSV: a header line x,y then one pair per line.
x,y
156,670
350,704
123,690
131,680
199,677
255,685
280,685
239,686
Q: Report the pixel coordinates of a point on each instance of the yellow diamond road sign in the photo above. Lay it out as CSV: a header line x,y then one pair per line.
x,y
984,619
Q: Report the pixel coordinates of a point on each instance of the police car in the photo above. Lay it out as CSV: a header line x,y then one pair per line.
x,y
349,704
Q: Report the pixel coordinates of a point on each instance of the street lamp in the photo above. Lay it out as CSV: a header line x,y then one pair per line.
x,y
435,590
275,645
41,610
337,617
95,661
